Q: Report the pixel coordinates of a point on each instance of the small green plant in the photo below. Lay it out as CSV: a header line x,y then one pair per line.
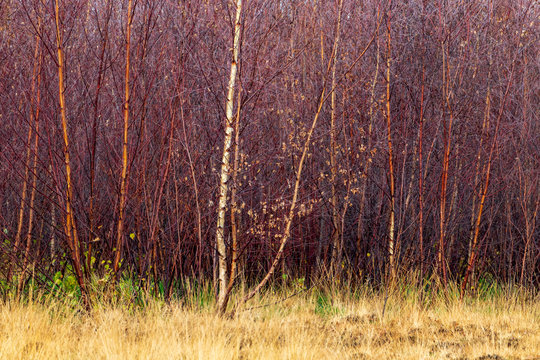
x,y
324,306
300,283
8,289
196,294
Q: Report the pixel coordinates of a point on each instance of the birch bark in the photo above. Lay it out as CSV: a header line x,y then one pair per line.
x,y
226,168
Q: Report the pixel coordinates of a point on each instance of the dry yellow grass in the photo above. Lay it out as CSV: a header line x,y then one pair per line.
x,y
301,327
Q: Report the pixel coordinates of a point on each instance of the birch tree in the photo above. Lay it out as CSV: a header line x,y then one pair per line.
x,y
391,180
223,282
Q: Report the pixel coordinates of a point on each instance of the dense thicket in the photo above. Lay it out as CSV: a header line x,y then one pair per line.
x,y
462,120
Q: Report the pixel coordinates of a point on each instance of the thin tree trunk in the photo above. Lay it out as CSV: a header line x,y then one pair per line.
x,y
24,190
336,231
158,195
52,227
225,168
485,125
123,178
453,202
421,176
446,163
234,205
36,77
35,118
93,145
70,228
391,222
196,191
360,225
34,124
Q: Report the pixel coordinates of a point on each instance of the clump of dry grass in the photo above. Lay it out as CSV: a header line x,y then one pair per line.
x,y
312,325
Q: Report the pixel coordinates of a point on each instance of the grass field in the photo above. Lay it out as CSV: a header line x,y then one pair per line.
x,y
312,324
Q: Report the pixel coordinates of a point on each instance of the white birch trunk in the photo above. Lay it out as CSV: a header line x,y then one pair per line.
x,y
225,168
